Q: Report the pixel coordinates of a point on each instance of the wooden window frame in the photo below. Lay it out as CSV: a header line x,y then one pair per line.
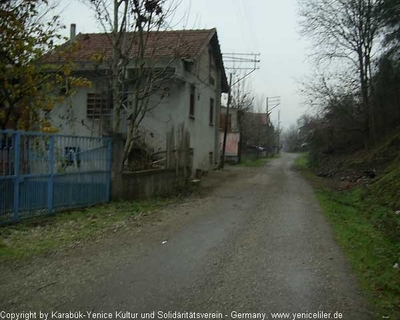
x,y
98,104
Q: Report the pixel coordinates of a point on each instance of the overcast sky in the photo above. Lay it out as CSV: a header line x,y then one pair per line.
x,y
268,27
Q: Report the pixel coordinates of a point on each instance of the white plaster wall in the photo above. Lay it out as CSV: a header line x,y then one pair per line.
x,y
172,111
70,117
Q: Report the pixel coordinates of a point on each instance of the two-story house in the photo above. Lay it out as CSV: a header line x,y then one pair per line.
x,y
190,95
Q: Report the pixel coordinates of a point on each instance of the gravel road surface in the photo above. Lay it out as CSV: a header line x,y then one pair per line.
x,y
258,243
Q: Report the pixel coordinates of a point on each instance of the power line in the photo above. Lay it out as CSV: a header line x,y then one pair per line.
x,y
241,58
271,104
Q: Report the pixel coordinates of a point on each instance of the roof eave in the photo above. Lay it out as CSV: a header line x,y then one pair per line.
x,y
213,39
224,79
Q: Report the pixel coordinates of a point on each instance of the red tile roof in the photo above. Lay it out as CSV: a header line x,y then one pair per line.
x,y
183,44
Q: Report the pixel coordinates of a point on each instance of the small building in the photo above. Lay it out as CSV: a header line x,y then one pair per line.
x,y
233,134
249,134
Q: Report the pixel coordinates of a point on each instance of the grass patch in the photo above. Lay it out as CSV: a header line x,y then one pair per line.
x,y
386,190
368,233
41,235
253,163
256,162
302,162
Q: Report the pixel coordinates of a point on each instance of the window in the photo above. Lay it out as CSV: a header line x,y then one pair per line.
x,y
192,100
211,111
98,105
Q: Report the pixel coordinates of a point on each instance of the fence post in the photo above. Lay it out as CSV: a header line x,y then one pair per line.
x,y
17,153
50,182
109,168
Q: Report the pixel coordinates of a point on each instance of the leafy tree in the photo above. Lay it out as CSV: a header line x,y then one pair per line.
x,y
26,83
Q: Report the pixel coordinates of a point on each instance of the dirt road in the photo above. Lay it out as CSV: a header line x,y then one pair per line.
x,y
257,244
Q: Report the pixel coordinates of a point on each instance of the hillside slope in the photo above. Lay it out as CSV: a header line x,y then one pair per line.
x,y
360,195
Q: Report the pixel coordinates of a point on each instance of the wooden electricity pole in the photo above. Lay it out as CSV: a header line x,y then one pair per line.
x,y
226,122
275,101
234,58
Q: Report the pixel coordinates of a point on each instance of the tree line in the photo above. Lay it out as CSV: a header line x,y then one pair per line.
x,y
355,90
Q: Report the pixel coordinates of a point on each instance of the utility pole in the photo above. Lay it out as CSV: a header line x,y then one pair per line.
x,y
226,122
233,59
275,101
279,132
267,131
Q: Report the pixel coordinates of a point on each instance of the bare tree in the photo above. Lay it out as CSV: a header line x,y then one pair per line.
x,y
242,96
292,139
133,27
346,31
256,129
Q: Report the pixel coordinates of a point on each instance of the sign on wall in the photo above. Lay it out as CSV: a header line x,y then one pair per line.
x,y
232,143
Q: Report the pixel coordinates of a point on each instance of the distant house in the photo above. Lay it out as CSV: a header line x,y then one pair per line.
x,y
190,95
248,132
233,133
233,119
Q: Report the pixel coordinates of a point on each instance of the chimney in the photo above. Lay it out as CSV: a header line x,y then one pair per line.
x,y
73,32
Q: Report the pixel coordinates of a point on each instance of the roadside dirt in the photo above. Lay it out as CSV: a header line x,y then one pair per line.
x,y
57,267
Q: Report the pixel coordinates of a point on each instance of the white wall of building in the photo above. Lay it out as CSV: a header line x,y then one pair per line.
x,y
70,117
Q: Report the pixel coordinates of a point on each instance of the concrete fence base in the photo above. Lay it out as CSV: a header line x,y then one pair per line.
x,y
146,184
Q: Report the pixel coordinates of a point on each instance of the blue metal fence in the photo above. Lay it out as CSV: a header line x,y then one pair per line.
x,y
44,173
